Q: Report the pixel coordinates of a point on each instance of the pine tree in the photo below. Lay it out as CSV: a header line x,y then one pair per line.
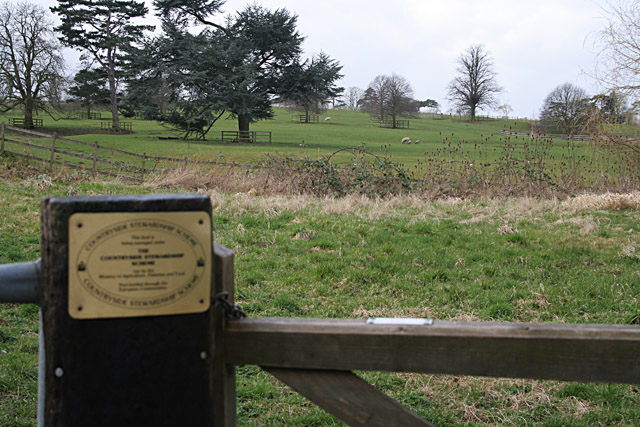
x,y
89,89
102,29
241,62
310,84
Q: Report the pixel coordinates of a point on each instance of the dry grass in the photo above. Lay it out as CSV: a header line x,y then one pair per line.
x,y
607,201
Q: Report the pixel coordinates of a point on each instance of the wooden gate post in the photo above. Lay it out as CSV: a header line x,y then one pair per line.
x,y
52,159
129,319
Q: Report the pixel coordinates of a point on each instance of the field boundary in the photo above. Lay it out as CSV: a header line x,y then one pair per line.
x,y
125,165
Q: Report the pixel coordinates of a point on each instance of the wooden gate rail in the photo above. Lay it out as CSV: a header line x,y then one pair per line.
x,y
130,370
608,353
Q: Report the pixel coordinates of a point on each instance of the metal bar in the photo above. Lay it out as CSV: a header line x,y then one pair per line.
x,y
600,353
20,282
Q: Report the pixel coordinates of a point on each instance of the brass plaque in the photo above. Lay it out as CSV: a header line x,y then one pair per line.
x,y
139,264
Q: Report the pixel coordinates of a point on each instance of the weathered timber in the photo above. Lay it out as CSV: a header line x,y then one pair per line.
x,y
601,353
348,398
156,370
224,391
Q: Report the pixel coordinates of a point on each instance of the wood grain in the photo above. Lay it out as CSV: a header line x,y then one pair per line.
x,y
224,385
348,398
600,353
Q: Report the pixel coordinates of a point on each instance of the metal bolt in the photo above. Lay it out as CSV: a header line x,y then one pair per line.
x,y
59,372
203,355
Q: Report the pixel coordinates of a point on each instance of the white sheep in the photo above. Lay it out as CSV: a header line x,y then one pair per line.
x,y
406,140
417,141
327,119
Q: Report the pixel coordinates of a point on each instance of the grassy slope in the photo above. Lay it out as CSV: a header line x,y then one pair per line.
x,y
402,257
450,154
346,128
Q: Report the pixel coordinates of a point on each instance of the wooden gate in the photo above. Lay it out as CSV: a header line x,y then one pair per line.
x,y
139,328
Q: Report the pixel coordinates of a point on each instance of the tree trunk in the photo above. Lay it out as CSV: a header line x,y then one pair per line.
x,y
244,120
473,113
28,113
113,93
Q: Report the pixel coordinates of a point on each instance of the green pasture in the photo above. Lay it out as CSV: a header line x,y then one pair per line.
x,y
503,260
454,152
314,140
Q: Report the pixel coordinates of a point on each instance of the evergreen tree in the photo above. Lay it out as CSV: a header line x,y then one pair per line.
x,y
180,79
238,66
102,29
89,89
309,85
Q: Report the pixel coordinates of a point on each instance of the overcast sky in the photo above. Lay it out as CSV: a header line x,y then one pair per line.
x,y
536,45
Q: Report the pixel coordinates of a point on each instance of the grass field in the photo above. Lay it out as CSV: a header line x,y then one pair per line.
x,y
346,128
511,259
453,157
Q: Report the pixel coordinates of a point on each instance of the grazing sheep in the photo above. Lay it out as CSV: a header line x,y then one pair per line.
x,y
417,141
327,119
406,140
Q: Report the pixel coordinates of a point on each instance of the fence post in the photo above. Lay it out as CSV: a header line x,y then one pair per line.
x,y
129,342
2,138
53,151
144,158
95,159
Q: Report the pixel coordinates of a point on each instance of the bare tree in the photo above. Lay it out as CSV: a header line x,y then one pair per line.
x,y
565,109
617,67
399,98
476,86
505,109
375,95
352,98
389,97
31,62
618,64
